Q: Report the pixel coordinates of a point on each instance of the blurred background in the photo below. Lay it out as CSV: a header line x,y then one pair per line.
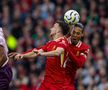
x,y
26,24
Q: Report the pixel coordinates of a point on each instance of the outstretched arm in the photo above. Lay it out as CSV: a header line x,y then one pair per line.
x,y
28,54
78,60
31,54
56,52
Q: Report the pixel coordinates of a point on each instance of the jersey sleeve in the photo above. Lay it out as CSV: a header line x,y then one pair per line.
x,y
78,60
27,51
44,48
85,53
63,44
32,50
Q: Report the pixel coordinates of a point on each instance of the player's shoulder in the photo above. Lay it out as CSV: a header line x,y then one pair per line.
x,y
0,28
63,41
84,46
1,33
52,42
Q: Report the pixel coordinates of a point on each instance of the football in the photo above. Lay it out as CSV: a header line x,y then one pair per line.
x,y
71,17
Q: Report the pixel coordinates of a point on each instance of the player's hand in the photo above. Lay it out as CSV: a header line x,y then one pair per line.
x,y
36,51
12,55
40,53
18,56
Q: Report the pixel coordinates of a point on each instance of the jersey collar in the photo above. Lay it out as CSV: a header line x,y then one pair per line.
x,y
78,44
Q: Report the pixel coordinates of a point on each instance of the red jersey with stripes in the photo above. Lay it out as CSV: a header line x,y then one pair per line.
x,y
77,57
55,66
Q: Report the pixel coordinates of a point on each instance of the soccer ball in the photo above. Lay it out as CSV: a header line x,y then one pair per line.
x,y
71,17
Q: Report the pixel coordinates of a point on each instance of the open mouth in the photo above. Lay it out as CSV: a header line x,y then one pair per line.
x,y
51,35
74,39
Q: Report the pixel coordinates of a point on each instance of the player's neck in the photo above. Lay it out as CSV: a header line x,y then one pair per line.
x,y
75,43
58,37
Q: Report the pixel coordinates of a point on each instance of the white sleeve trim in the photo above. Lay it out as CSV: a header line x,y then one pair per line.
x,y
87,51
84,55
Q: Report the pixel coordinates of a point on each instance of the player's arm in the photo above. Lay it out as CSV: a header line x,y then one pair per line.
x,y
31,54
35,52
78,60
13,54
3,57
28,54
56,52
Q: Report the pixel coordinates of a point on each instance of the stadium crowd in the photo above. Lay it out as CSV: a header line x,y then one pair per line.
x,y
26,24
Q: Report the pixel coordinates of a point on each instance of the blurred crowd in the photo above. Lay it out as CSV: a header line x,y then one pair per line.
x,y
26,24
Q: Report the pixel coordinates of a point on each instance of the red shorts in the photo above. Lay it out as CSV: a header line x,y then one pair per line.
x,y
49,86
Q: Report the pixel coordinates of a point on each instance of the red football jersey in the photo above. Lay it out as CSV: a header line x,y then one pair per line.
x,y
77,57
55,66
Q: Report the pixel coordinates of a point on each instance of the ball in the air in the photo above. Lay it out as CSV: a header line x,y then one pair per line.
x,y
71,17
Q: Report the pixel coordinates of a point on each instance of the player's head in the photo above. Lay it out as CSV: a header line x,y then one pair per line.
x,y
60,28
77,33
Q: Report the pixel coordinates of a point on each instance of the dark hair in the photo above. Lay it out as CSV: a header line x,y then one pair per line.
x,y
64,27
80,25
